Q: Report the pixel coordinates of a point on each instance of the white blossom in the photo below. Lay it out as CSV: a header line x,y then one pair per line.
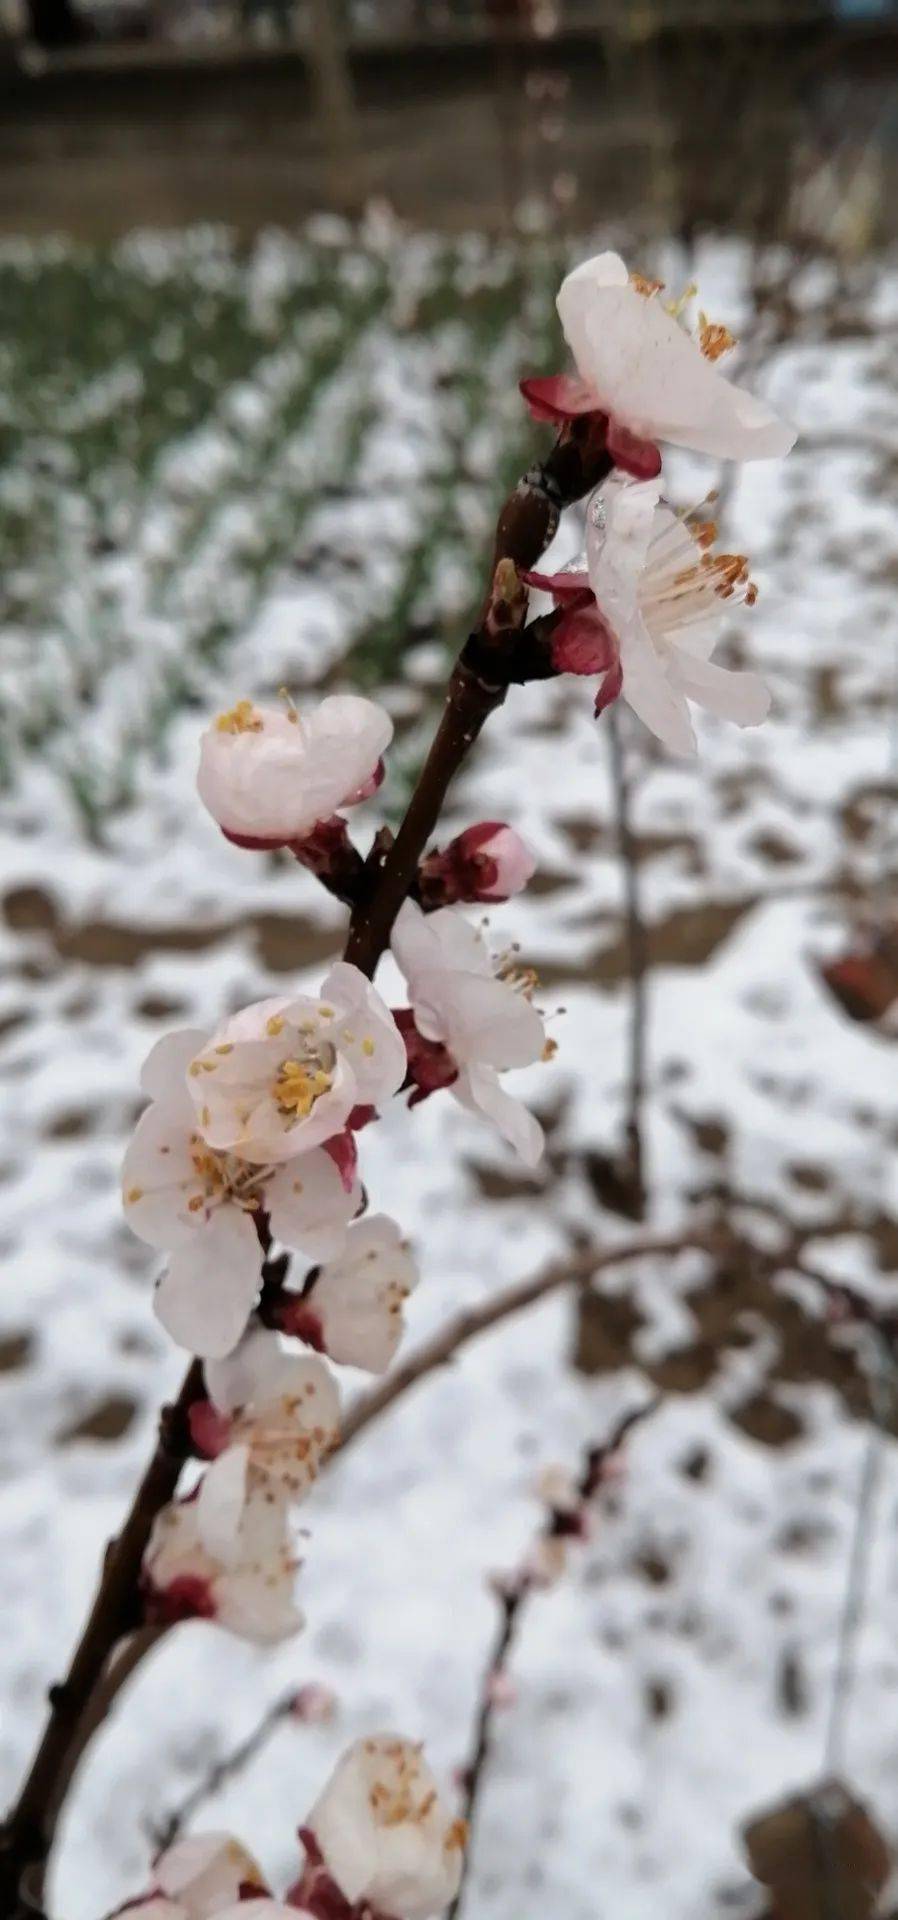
x,y
353,1309
662,595
275,1417
284,1075
639,365
246,1586
384,1835
269,774
482,1017
199,1205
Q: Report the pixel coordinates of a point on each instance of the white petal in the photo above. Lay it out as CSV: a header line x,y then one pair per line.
x,y
159,1180
207,1871
251,1375
309,1207
424,943
576,297
163,1076
652,376
350,734
358,1297
264,1909
647,689
154,1907
479,1090
616,555
256,1596
220,1503
483,1019
366,1034
741,697
208,1293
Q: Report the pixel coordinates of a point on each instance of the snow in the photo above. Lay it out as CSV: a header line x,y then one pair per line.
x,y
330,484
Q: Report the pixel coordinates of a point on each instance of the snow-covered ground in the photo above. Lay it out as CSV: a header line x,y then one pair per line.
x,y
222,475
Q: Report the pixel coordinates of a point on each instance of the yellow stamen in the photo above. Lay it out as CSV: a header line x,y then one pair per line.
x,y
298,1086
713,339
241,718
677,307
642,284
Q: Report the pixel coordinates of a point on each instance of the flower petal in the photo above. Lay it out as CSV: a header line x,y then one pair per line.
x,y
742,697
208,1293
309,1206
159,1180
220,1503
658,704
207,1871
358,1297
163,1076
479,1089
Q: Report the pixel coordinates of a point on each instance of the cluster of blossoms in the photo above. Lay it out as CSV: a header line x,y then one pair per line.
x,y
247,1154
641,608
379,1845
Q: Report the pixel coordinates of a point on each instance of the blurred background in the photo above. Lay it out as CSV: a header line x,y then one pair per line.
x,y
269,275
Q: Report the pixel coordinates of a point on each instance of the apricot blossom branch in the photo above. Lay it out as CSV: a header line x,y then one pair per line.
x,y
568,1501
248,1151
526,523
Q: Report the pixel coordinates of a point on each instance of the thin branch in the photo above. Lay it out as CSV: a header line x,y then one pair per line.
x,y
486,668
561,1523
218,1775
578,1268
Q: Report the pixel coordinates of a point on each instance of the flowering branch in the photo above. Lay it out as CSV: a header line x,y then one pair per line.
x,y
308,1704
567,1518
526,523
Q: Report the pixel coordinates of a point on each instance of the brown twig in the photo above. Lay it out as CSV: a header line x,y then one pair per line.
x,y
578,1268
221,1771
486,668
512,1595
27,1836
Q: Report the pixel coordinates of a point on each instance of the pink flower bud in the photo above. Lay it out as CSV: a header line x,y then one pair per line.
x,y
488,862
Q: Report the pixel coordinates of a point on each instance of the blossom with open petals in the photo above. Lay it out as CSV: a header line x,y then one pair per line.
x,y
204,1874
199,1565
645,611
268,775
486,862
381,1836
638,365
480,1019
352,1311
201,1205
270,1418
284,1075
